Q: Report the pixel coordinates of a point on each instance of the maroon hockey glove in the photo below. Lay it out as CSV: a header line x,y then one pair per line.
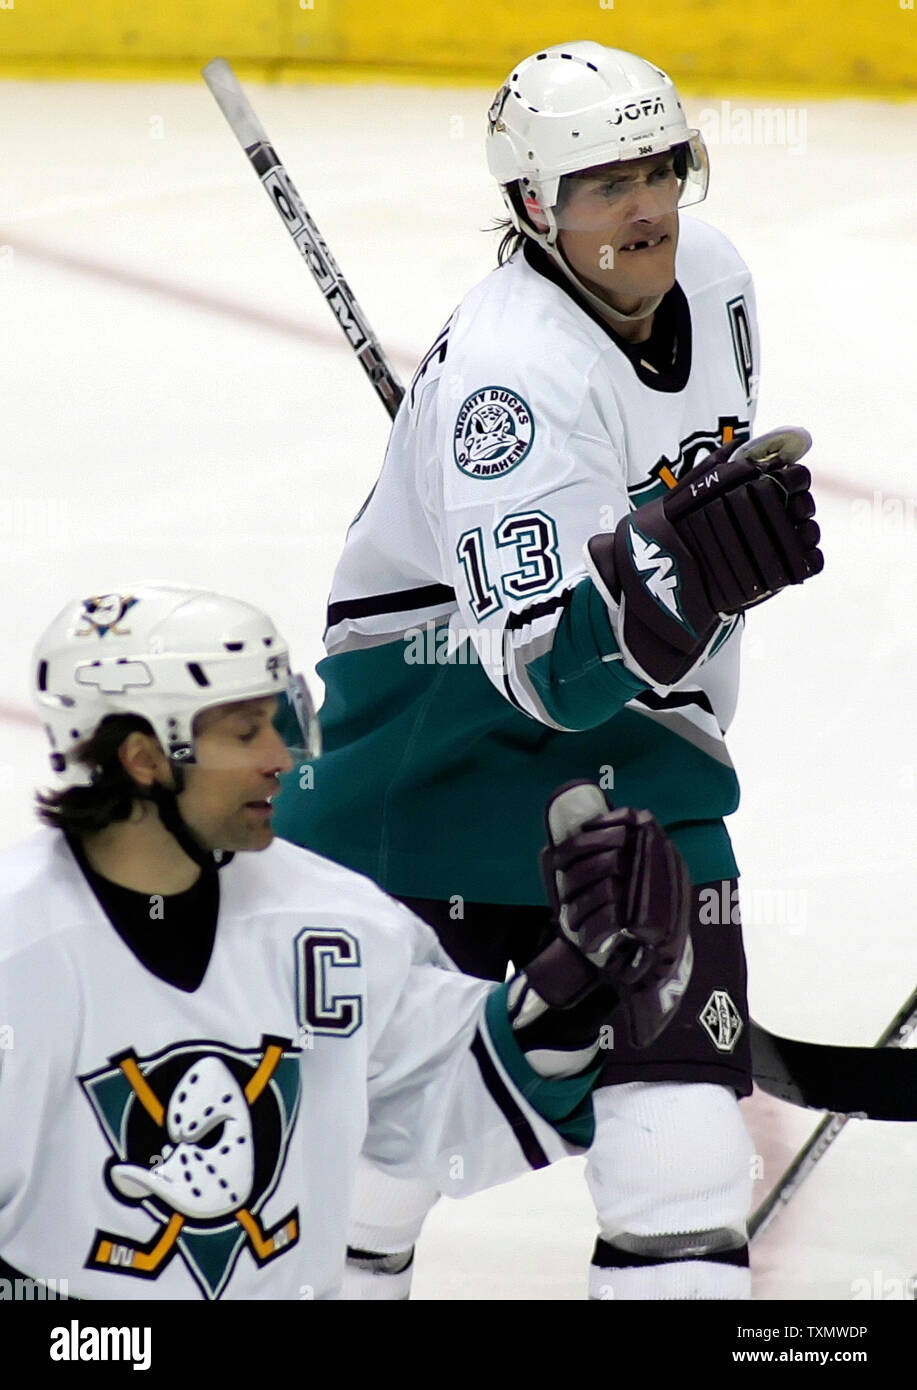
x,y
621,897
735,530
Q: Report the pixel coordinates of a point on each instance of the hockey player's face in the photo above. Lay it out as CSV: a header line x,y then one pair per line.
x,y
239,759
619,228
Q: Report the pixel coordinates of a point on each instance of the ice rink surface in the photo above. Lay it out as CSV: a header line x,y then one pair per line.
x,y
178,403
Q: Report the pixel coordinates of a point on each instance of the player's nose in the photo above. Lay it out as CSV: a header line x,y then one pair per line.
x,y
647,202
277,757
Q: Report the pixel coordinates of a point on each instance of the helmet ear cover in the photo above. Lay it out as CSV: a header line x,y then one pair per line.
x,y
517,196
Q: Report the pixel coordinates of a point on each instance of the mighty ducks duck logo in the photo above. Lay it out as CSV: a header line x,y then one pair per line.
x,y
103,612
200,1133
666,472
493,432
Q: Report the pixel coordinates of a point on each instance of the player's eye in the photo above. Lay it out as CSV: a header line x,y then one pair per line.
x,y
663,172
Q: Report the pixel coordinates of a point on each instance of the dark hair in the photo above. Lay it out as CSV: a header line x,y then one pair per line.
x,y
509,242
110,796
512,238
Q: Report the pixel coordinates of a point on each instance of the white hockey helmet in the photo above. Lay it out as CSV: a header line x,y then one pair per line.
x,y
580,106
163,652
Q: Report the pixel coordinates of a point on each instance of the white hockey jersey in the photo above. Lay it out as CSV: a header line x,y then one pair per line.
x,y
471,663
163,1144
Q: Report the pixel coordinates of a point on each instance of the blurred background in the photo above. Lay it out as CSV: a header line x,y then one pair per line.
x,y
842,47
178,403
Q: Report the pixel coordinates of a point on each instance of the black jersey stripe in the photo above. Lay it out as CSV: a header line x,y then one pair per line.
x,y
523,616
507,667
499,1091
675,700
511,694
402,601
519,619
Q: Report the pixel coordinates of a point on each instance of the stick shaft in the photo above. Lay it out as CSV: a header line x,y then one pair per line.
x,y
309,241
824,1135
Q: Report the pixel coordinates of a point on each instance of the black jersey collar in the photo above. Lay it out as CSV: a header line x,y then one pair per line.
x,y
172,937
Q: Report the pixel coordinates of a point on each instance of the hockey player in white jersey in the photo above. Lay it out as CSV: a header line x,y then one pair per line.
x,y
548,582
196,1039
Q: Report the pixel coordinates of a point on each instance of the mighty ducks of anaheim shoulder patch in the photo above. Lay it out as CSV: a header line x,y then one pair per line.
x,y
493,432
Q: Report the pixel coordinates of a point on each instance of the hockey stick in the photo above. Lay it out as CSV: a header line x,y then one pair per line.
x,y
894,1036
310,243
803,1073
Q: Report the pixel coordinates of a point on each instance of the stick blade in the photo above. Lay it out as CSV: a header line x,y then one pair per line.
x,y
862,1082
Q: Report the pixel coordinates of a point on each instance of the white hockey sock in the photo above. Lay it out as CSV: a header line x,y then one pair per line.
x,y
386,1218
670,1174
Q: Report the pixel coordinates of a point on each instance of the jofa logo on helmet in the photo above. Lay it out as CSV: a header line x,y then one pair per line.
x,y
634,110
103,612
493,432
666,472
200,1133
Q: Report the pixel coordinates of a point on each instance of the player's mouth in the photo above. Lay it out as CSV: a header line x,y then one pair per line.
x,y
646,243
262,806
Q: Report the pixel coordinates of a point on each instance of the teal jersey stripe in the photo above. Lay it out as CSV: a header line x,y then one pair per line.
x,y
577,685
565,1102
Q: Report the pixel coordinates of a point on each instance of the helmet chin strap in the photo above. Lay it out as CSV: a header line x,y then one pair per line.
x,y
647,306
548,241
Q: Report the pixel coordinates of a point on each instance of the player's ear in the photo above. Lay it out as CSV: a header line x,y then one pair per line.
x,y
143,760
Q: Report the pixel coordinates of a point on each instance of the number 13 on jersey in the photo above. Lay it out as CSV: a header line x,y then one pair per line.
x,y
533,537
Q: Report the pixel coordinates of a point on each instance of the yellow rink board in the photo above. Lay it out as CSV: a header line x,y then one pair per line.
x,y
858,47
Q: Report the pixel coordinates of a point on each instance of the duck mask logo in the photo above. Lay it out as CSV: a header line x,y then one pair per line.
x,y
103,612
200,1134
